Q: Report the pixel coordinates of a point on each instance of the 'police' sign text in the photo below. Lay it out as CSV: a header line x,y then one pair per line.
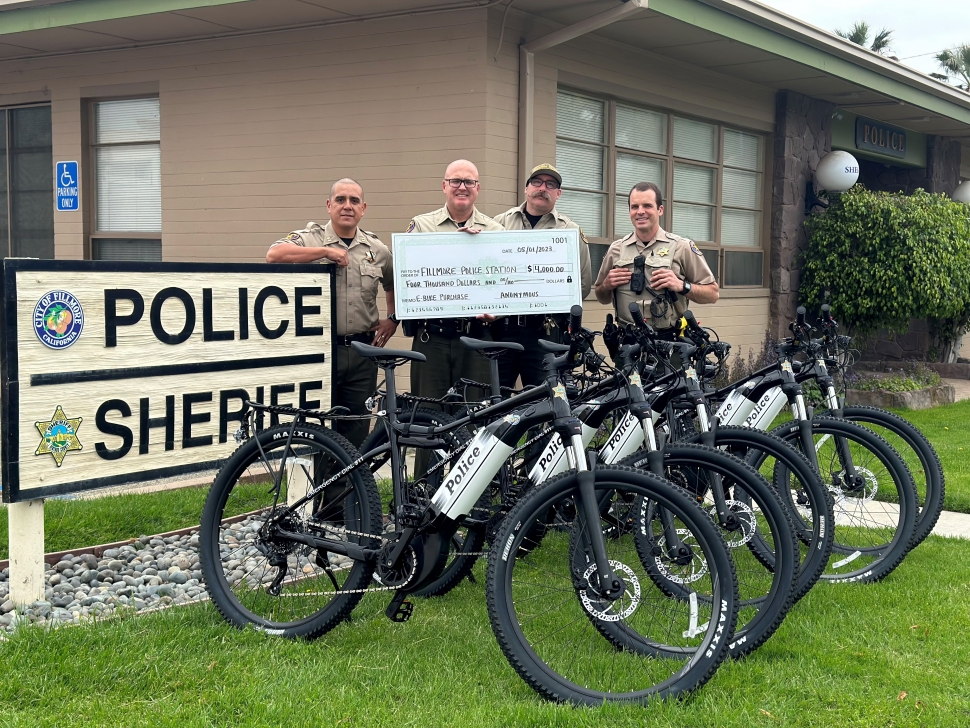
x,y
123,372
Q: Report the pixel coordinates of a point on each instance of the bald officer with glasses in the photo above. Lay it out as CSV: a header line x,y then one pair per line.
x,y
538,212
437,339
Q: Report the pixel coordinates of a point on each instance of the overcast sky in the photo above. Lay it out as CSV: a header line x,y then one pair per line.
x,y
922,27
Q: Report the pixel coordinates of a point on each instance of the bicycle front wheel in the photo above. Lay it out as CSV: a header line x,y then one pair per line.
x,y
254,571
918,454
874,499
757,529
545,608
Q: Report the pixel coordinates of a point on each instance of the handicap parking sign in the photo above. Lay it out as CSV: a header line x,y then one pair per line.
x,y
66,183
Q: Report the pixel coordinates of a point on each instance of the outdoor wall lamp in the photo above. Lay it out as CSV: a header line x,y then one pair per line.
x,y
836,172
962,192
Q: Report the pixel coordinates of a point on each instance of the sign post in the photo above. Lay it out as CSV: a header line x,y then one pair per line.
x,y
116,373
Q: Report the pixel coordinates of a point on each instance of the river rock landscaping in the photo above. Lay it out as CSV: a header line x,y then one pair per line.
x,y
152,572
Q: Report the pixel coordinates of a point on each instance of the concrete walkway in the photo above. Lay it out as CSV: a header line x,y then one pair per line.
x,y
961,388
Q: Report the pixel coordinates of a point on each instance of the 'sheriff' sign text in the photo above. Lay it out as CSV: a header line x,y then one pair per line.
x,y
122,372
504,273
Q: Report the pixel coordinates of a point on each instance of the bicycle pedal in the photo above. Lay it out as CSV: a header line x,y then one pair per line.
x,y
400,609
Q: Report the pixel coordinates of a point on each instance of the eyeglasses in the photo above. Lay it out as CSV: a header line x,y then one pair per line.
x,y
456,183
550,184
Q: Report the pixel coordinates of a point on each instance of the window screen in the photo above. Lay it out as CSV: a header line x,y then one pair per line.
x,y
26,182
581,158
128,180
712,178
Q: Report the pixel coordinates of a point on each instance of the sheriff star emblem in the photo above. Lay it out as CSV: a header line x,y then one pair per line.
x,y
663,251
58,436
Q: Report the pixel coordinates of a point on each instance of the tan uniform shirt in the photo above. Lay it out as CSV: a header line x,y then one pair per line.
x,y
515,219
666,250
440,221
370,263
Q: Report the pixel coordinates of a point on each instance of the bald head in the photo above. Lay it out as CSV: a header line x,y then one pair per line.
x,y
345,181
460,200
462,169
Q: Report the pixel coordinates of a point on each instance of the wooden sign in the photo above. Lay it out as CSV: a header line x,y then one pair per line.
x,y
116,372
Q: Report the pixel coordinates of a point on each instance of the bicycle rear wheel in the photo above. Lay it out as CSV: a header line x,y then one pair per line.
x,y
544,607
255,574
875,513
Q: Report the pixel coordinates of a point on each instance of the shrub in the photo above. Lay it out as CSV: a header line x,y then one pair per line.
x,y
881,259
738,367
908,378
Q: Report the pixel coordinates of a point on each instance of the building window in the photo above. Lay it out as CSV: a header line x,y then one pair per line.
x,y
712,177
26,183
126,161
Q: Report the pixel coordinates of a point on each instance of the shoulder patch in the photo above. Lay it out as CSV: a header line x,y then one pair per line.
x,y
694,248
583,236
411,227
293,238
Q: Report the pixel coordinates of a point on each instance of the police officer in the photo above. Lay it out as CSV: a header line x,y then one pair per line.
x,y
660,271
438,339
538,212
362,262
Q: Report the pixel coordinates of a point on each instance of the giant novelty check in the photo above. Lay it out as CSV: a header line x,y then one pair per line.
x,y
504,273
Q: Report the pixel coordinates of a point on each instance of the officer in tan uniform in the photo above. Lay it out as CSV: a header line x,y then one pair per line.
x,y
362,262
660,271
538,212
438,339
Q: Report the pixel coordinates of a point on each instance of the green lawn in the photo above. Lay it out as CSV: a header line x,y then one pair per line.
x,y
887,654
948,429
877,655
72,523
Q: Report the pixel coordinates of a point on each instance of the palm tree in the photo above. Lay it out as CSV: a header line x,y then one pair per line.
x,y
955,63
859,34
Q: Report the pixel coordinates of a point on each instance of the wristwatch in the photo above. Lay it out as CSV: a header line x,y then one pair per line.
x,y
687,287
393,319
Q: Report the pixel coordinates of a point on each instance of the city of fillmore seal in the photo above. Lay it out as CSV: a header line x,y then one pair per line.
x,y
58,435
58,319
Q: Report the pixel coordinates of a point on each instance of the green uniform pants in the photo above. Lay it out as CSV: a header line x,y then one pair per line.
x,y
355,381
529,363
448,361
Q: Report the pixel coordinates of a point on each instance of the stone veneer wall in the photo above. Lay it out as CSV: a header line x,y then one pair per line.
x,y
803,135
941,174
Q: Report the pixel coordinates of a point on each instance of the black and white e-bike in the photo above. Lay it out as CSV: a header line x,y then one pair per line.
x,y
292,532
874,498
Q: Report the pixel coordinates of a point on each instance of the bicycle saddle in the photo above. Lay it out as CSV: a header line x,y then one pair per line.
x,y
376,352
496,346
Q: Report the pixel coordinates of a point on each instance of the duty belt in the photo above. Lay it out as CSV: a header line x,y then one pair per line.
x,y
534,322
366,337
452,328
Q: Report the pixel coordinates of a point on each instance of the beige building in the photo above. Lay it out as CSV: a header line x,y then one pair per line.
x,y
205,129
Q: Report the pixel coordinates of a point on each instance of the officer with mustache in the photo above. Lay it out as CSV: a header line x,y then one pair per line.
x,y
538,212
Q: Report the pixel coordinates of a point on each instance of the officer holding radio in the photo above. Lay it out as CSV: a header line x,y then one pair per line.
x,y
660,271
